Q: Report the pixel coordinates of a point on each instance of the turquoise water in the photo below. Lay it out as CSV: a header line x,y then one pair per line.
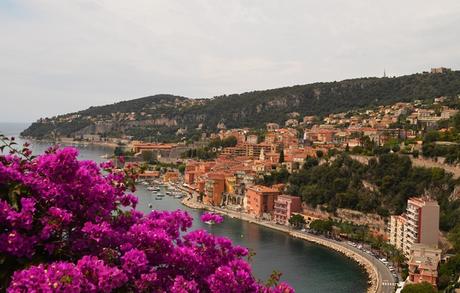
x,y
307,267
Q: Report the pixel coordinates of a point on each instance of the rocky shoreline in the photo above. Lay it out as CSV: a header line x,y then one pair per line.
x,y
371,271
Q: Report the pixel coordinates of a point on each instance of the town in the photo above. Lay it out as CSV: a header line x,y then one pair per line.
x,y
376,183
230,146
243,172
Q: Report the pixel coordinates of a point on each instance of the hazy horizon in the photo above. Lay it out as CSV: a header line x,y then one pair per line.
x,y
59,57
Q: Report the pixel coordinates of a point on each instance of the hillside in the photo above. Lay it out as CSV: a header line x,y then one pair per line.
x,y
167,117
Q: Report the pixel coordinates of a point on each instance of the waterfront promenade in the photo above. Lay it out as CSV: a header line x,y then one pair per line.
x,y
380,277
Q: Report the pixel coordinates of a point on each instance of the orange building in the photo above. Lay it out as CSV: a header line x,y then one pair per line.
x,y
139,147
283,136
214,187
260,199
239,134
194,170
149,174
171,176
189,177
247,150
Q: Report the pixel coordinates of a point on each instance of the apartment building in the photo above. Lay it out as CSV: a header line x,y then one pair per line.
x,y
214,188
422,225
397,230
285,206
419,225
261,200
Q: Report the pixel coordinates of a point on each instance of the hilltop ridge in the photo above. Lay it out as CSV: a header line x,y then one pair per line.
x,y
169,117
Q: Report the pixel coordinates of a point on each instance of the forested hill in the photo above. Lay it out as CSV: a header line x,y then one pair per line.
x,y
170,117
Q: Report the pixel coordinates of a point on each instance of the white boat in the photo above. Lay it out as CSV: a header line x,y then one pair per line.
x,y
151,188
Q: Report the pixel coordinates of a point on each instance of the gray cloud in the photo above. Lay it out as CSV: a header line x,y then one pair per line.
x,y
61,56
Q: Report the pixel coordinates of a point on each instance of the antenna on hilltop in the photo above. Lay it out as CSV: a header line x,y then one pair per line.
x,y
384,73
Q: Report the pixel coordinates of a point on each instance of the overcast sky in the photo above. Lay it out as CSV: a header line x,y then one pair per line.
x,y
59,56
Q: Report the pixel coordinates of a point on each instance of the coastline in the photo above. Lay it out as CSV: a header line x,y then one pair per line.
x,y
72,142
374,279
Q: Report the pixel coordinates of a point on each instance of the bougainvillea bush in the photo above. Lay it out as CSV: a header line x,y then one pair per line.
x,y
71,226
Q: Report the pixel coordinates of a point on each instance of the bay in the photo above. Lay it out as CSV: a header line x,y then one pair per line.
x,y
307,267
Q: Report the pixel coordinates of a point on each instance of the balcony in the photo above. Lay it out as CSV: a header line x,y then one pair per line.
x,y
413,216
280,215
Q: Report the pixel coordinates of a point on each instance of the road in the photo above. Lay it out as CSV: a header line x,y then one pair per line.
x,y
387,280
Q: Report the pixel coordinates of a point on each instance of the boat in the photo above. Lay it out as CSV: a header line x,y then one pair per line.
x,y
151,188
209,222
168,193
150,205
158,198
178,196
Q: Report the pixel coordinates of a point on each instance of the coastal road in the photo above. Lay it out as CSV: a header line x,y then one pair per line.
x,y
387,281
387,284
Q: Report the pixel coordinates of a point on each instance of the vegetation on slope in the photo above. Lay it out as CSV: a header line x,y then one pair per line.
x,y
254,109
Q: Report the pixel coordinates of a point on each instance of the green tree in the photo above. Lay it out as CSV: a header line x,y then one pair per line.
x,y
319,154
449,272
321,226
419,288
230,141
454,237
297,221
456,122
281,158
310,162
149,156
118,151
